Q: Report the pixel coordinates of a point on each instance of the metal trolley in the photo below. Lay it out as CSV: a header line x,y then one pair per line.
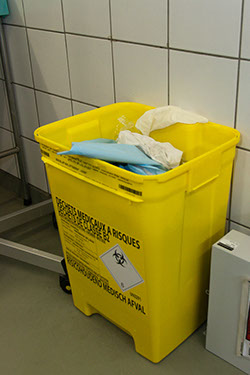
x,y
31,212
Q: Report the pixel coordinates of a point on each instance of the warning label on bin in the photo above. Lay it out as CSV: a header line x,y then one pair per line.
x,y
95,172
80,245
103,254
121,268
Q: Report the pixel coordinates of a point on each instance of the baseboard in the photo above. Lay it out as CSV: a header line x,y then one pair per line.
x,y
13,183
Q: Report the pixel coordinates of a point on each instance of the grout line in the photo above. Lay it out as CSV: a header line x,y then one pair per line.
x,y
238,70
91,105
138,43
67,59
241,26
242,225
56,95
204,53
15,25
34,28
236,110
31,65
7,130
237,94
242,148
231,194
29,139
45,92
112,53
168,77
133,42
168,53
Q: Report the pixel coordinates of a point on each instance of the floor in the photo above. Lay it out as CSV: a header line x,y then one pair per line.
x,y
43,333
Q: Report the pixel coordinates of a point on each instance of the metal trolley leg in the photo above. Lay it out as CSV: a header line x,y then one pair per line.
x,y
12,249
18,149
25,253
28,254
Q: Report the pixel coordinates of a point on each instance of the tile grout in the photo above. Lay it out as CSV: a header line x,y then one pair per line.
x,y
33,82
168,53
243,148
238,68
236,109
242,225
111,39
52,94
30,139
201,53
67,59
112,53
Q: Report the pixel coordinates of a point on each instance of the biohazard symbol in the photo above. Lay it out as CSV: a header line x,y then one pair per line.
x,y
119,258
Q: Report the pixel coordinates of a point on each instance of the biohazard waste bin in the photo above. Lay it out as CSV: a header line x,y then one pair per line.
x,y
137,248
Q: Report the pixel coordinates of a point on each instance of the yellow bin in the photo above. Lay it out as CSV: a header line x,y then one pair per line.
x,y
137,248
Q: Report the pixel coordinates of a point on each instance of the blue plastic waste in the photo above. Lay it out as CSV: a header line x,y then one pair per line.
x,y
109,150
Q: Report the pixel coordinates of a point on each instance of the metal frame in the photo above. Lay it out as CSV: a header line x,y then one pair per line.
x,y
8,248
18,149
25,253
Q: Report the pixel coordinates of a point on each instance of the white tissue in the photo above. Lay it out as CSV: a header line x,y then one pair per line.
x,y
163,153
162,117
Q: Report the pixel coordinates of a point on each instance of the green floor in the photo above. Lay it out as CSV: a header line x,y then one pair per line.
x,y
42,333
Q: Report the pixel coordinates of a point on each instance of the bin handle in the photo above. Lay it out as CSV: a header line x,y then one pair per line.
x,y
92,182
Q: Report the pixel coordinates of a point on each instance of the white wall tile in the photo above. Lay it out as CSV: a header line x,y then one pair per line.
x,y
89,17
49,62
245,47
26,109
91,74
5,121
240,228
240,209
17,45
7,164
16,16
35,166
45,14
205,26
243,113
52,108
140,74
143,21
80,108
204,84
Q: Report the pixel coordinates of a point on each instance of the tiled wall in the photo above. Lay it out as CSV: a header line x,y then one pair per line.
x,y
70,56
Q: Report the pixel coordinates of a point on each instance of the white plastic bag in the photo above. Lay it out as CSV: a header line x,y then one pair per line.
x,y
162,117
164,153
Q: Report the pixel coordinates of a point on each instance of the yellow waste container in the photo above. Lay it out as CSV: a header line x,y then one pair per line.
x,y
137,248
